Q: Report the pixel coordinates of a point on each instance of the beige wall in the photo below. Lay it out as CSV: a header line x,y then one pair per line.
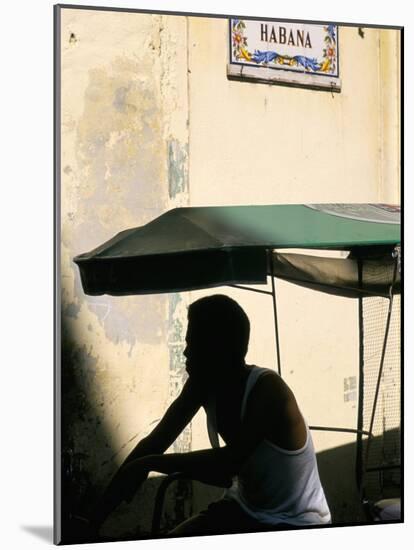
x,y
257,143
254,143
150,121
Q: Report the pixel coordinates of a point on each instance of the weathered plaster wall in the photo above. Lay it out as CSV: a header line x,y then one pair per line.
x,y
124,161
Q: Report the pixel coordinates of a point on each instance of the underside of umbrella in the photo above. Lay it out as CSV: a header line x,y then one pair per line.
x,y
200,247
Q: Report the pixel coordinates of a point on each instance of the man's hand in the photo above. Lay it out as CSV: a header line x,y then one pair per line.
x,y
122,487
130,478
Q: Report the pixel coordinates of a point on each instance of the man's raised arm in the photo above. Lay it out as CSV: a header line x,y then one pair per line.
x,y
267,410
175,419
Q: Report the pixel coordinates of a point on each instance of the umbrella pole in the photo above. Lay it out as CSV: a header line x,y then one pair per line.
x,y
272,276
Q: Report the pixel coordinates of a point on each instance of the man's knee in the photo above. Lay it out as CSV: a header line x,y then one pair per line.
x,y
223,516
195,525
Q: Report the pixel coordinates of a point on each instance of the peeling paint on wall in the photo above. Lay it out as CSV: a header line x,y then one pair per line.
x,y
131,320
183,504
178,374
174,92
350,389
72,310
177,168
114,166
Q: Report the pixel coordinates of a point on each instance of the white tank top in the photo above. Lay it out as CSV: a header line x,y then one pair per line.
x,y
276,485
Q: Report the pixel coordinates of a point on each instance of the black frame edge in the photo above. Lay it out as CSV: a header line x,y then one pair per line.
x,y
57,485
226,16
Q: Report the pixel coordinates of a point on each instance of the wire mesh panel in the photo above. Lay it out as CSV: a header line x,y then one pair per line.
x,y
381,455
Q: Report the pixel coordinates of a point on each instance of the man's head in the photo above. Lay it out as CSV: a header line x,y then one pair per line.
x,y
217,336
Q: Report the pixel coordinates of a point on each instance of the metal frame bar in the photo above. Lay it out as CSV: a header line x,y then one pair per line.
x,y
360,419
273,295
381,367
159,500
252,289
272,276
334,429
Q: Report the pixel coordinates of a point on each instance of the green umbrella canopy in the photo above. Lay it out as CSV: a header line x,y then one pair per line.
x,y
200,247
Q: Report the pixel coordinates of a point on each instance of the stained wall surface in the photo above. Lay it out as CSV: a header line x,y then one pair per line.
x,y
149,122
123,162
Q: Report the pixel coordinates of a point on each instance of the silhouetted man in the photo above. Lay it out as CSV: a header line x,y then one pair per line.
x,y
267,465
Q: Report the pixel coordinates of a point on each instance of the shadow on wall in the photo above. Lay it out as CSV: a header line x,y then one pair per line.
x,y
89,459
337,473
86,453
84,438
78,446
337,470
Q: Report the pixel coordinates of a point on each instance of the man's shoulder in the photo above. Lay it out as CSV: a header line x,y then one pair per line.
x,y
271,386
268,377
274,403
